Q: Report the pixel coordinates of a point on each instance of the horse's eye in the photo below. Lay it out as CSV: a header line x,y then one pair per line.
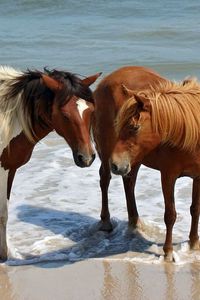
x,y
65,115
134,128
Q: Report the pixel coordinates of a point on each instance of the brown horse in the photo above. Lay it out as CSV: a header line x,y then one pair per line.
x,y
109,97
32,104
160,127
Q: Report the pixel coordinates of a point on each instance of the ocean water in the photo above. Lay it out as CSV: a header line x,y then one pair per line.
x,y
55,206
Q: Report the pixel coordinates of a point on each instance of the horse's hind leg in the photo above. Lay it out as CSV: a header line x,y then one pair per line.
x,y
3,213
105,177
129,188
168,183
194,211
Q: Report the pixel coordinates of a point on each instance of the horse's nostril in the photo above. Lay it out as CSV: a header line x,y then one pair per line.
x,y
80,158
114,168
83,160
119,169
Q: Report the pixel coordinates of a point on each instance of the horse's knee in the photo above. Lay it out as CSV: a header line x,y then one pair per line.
x,y
104,172
105,176
170,218
104,182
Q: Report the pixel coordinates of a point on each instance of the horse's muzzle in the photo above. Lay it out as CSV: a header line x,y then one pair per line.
x,y
82,160
122,170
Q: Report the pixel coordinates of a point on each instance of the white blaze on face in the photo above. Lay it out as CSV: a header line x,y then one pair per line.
x,y
82,106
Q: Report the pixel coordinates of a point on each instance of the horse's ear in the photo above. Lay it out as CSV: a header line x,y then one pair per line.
x,y
143,102
189,79
91,79
129,93
51,83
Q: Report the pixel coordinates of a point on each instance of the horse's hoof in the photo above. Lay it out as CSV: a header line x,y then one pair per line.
x,y
172,256
136,224
195,245
3,257
2,260
133,225
105,226
169,257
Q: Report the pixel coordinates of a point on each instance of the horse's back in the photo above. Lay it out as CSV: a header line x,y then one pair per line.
x,y
109,97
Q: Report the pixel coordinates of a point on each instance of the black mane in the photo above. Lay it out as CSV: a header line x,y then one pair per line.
x,y
31,85
72,85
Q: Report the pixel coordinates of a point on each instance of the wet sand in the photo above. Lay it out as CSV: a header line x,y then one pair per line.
x,y
100,279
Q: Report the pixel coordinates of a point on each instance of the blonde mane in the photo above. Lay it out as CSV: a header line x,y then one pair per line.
x,y
175,112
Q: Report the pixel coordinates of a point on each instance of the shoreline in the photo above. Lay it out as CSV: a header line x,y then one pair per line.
x,y
100,279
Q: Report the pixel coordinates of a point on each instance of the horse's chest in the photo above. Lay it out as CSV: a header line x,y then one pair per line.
x,y
7,152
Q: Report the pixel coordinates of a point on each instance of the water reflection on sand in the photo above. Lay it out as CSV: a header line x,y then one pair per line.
x,y
103,279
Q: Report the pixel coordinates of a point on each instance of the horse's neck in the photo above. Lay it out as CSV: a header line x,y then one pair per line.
x,y
41,132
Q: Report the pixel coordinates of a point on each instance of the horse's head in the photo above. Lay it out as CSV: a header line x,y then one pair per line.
x,y
136,137
71,114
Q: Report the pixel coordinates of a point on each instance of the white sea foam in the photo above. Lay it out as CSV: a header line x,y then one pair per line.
x,y
55,206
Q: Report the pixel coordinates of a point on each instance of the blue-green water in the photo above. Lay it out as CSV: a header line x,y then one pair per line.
x,y
91,36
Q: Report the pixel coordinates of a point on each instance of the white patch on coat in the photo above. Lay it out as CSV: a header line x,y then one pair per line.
x,y
9,120
16,131
3,193
4,173
3,212
82,106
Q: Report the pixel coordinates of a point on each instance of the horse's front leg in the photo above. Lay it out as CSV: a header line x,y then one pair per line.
x,y
168,183
194,211
105,177
129,188
11,176
3,213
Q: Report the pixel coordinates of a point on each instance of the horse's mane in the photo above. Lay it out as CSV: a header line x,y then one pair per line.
x,y
175,112
22,94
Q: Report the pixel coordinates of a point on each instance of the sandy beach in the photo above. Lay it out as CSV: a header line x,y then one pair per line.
x,y
100,279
